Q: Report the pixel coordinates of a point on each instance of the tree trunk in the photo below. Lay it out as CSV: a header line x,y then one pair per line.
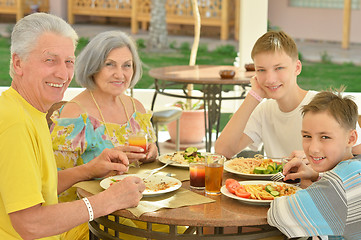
x,y
197,33
158,39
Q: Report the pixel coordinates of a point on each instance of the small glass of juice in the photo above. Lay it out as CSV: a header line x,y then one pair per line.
x,y
138,139
197,175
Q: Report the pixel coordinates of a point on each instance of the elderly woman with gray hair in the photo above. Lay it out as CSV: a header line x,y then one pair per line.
x,y
103,115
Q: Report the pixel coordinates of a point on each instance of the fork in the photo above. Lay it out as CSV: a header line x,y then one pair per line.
x,y
157,169
278,177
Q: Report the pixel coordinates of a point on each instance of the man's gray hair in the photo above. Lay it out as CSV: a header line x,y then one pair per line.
x,y
93,56
28,29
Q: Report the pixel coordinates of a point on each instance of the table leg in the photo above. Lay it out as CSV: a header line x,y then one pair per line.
x,y
212,98
153,100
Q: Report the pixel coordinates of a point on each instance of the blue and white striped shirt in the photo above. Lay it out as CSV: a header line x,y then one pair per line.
x,y
331,206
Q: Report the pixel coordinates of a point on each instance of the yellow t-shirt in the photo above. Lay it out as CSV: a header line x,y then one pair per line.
x,y
28,174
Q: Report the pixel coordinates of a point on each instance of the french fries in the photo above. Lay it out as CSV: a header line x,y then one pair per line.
x,y
259,192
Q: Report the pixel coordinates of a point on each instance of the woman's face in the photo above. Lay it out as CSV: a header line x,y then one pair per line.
x,y
115,76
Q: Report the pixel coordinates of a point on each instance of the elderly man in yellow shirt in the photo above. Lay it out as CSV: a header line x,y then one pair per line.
x,y
41,67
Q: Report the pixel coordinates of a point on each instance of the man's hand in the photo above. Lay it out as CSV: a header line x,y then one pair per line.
x,y
109,160
125,193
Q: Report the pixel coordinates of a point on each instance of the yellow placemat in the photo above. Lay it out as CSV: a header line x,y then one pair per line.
x,y
182,174
179,198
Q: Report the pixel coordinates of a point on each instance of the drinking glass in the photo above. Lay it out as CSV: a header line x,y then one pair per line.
x,y
138,139
197,175
213,174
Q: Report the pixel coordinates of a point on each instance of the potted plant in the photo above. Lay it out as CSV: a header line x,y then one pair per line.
x,y
192,124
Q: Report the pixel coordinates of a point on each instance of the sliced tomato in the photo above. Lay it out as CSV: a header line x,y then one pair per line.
x,y
230,180
232,185
240,192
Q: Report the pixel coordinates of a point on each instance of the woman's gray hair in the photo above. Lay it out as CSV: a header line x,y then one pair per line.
x,y
93,56
28,29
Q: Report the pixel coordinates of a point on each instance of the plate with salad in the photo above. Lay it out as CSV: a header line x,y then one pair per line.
x,y
183,158
257,192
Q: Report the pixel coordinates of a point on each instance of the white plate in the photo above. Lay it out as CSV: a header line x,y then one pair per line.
x,y
248,175
173,183
164,158
225,192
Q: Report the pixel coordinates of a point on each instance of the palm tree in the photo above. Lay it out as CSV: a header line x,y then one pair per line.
x,y
158,34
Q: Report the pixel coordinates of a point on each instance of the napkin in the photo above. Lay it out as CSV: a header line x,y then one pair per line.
x,y
180,173
179,198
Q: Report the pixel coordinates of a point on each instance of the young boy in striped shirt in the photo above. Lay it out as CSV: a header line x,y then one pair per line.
x,y
331,206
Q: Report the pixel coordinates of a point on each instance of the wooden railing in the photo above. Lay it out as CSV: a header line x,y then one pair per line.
x,y
21,7
217,13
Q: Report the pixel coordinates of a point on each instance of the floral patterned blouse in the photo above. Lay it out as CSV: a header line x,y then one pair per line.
x,y
78,140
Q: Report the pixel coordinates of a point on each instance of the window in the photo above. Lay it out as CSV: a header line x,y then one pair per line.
x,y
355,4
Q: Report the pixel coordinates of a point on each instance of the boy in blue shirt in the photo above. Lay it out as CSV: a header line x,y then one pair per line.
x,y
330,206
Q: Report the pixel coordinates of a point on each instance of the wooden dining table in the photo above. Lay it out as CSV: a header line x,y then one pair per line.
x,y
225,218
208,80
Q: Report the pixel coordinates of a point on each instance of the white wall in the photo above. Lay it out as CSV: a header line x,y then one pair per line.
x,y
313,23
252,25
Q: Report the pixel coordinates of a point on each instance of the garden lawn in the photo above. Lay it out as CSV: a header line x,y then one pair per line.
x,y
314,75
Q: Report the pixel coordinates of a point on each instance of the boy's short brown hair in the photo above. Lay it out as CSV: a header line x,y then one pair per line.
x,y
274,41
342,109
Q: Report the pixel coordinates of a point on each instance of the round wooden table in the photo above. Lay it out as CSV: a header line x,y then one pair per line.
x,y
207,78
205,221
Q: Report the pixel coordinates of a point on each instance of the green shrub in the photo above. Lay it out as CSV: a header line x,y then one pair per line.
x,y
203,48
226,50
325,57
173,45
82,42
140,43
185,47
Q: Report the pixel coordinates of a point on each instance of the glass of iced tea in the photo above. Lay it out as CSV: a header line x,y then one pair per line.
x,y
213,174
138,139
197,175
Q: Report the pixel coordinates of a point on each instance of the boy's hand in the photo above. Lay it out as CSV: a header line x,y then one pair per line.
x,y
297,168
257,88
299,154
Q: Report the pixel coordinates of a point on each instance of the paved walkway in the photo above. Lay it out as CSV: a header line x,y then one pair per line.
x,y
310,50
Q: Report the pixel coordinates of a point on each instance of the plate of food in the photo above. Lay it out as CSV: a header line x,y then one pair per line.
x,y
183,158
154,185
257,192
254,168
